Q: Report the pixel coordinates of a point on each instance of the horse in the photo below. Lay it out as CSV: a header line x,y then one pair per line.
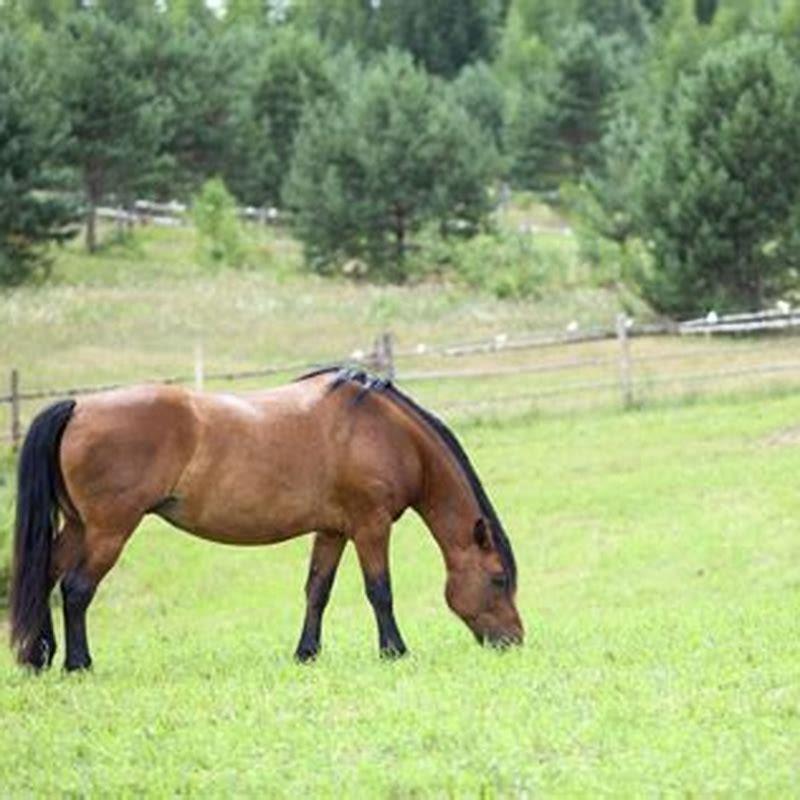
x,y
337,452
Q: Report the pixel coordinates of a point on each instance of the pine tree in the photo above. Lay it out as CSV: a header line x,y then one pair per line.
x,y
718,191
115,118
394,153
31,215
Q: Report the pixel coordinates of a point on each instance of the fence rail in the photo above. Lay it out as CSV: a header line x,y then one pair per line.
x,y
628,353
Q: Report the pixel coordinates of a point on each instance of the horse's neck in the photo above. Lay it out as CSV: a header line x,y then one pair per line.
x,y
448,505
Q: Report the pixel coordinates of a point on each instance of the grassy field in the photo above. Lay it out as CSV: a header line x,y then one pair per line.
x,y
658,551
660,583
138,311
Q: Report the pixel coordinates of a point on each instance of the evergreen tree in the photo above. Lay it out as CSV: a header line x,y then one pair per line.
x,y
370,169
556,124
30,140
445,35
479,92
284,78
199,75
110,105
719,189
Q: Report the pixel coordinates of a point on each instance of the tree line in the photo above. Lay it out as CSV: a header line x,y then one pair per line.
x,y
665,128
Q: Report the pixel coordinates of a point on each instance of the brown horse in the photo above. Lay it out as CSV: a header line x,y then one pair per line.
x,y
336,452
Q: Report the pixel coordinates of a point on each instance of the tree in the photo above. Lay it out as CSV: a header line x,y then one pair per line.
x,y
372,167
478,91
557,122
624,17
199,76
218,229
110,104
446,35
30,139
442,36
287,74
719,189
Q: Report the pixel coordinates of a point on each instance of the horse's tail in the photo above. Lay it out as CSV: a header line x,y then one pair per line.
x,y
38,483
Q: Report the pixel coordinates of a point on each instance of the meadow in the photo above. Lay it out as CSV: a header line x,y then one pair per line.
x,y
659,581
659,578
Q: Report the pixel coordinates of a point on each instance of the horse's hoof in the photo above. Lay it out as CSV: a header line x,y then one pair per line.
x,y
305,655
40,655
82,666
393,652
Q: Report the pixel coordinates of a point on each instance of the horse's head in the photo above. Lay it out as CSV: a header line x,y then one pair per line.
x,y
481,585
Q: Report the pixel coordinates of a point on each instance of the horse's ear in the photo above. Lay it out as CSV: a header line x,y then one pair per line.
x,y
481,534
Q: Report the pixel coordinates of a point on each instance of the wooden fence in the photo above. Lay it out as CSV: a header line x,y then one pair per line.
x,y
625,363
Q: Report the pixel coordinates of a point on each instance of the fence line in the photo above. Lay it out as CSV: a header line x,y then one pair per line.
x,y
579,387
383,357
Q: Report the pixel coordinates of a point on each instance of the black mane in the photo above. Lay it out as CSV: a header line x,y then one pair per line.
x,y
368,383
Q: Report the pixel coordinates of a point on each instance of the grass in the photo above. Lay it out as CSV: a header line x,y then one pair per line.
x,y
658,552
137,311
659,579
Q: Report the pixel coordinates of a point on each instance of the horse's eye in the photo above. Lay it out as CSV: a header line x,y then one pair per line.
x,y
500,580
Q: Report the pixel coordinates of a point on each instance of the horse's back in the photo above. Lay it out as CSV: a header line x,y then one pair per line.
x,y
238,468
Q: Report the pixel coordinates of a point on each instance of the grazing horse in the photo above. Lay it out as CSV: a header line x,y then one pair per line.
x,y
336,452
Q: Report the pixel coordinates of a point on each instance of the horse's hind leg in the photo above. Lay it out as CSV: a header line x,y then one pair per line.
x,y
325,557
100,549
42,649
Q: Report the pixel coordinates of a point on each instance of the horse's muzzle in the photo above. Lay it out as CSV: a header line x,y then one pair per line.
x,y
501,640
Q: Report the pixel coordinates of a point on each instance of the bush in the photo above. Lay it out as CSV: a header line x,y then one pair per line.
x,y
508,266
219,232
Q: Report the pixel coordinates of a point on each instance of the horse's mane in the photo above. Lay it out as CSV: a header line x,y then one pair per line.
x,y
371,383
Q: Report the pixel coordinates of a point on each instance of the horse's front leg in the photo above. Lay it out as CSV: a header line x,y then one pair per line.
x,y
372,546
325,556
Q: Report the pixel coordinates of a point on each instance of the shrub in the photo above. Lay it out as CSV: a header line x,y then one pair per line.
x,y
508,266
219,232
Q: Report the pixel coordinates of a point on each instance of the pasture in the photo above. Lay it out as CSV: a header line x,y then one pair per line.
x,y
659,565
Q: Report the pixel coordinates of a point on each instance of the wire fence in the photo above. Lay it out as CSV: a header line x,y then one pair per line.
x,y
625,364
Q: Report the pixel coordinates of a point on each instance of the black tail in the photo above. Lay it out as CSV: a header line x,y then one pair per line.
x,y
38,482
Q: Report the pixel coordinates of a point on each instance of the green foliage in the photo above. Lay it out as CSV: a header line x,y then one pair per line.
x,y
109,103
373,166
219,232
557,122
442,37
199,75
446,35
285,78
479,92
719,189
31,136
508,266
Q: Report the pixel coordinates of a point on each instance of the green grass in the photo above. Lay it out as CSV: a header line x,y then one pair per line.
x,y
659,565
137,311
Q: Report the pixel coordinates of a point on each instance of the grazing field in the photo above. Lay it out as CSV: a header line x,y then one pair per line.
x,y
659,561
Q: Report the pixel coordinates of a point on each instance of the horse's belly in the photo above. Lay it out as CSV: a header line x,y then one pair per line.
x,y
258,508
256,477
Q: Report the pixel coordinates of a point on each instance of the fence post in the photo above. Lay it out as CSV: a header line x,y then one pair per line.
x,y
625,382
387,355
198,367
16,427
